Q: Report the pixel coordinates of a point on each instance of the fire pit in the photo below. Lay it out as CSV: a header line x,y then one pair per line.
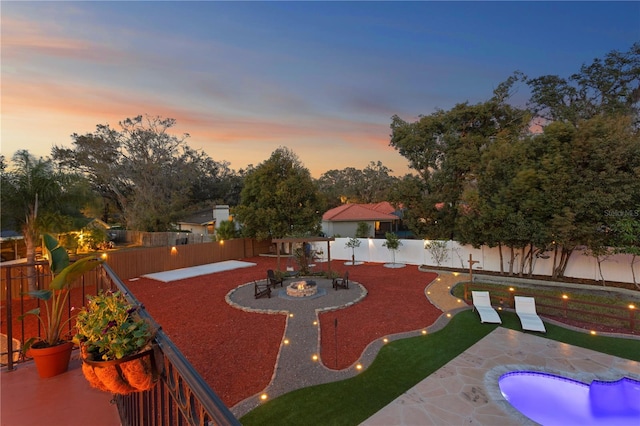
x,y
302,289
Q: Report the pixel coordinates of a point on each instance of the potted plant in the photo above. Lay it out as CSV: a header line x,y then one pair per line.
x,y
116,345
51,353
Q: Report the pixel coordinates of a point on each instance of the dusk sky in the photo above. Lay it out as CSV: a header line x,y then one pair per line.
x,y
243,78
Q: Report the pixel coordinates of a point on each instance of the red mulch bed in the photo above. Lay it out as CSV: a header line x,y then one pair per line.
x,y
395,303
235,351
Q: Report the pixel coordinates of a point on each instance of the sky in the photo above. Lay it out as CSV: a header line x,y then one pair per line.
x,y
245,78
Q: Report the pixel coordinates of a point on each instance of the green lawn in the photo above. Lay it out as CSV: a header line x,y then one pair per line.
x,y
402,364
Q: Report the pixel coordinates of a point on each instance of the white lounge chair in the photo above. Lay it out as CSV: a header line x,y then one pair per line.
x,y
526,310
482,304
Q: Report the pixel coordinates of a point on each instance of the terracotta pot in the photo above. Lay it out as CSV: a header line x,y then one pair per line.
x,y
52,360
134,373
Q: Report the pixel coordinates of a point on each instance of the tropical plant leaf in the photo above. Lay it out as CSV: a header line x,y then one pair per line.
x,y
35,311
58,256
74,271
41,294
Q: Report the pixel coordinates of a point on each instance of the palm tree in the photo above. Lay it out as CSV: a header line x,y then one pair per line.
x,y
27,187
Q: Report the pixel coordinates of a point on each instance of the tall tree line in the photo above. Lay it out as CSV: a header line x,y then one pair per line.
x,y
484,178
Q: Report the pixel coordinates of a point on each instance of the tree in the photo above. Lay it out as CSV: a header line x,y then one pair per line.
x,y
351,185
438,251
353,243
145,174
607,86
363,230
36,197
627,237
279,199
226,230
445,150
392,243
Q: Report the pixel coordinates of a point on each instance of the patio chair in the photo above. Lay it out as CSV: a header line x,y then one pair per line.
x,y
273,281
482,304
526,310
261,289
341,282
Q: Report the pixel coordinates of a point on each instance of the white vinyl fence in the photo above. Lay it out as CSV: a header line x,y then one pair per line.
x,y
412,252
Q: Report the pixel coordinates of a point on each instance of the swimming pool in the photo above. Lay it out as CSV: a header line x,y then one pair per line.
x,y
555,400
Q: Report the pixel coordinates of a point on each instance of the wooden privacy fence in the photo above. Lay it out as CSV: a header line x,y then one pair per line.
x,y
136,262
132,263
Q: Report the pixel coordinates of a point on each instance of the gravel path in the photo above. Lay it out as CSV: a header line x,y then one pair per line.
x,y
298,362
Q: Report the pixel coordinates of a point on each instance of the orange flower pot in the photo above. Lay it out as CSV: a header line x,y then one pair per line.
x,y
52,360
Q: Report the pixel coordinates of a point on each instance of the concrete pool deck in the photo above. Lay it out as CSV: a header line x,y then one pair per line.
x,y
465,391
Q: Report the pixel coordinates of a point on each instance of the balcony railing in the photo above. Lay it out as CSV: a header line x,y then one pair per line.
x,y
181,396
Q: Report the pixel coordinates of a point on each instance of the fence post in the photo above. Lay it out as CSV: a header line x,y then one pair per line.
x,y
9,320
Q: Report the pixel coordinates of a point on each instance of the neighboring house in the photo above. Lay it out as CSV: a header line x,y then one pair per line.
x,y
343,220
204,222
11,246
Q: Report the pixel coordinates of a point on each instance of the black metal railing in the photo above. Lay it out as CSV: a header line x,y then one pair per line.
x,y
180,397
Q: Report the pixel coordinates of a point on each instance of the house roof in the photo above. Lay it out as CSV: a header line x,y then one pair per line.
x,y
361,212
202,217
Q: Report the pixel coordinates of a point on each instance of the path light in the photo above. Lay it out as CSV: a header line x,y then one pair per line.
x,y
632,306
448,315
455,274
424,332
314,357
290,315
428,292
359,367
264,397
459,301
385,340
315,323
437,279
512,289
593,332
286,341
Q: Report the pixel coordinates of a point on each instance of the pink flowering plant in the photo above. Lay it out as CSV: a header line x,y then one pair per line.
x,y
109,328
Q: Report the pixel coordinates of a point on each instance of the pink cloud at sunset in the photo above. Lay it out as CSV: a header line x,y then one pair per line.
x,y
244,78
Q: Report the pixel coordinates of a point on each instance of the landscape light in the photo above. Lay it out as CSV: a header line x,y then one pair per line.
x,y
286,341
632,306
263,397
174,250
314,357
359,367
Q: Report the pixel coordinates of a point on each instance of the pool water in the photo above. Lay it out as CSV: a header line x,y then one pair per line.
x,y
554,400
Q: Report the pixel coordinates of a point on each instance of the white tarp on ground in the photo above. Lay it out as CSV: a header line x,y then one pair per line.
x,y
195,271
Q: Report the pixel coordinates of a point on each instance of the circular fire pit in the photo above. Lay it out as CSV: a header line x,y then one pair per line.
x,y
302,289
